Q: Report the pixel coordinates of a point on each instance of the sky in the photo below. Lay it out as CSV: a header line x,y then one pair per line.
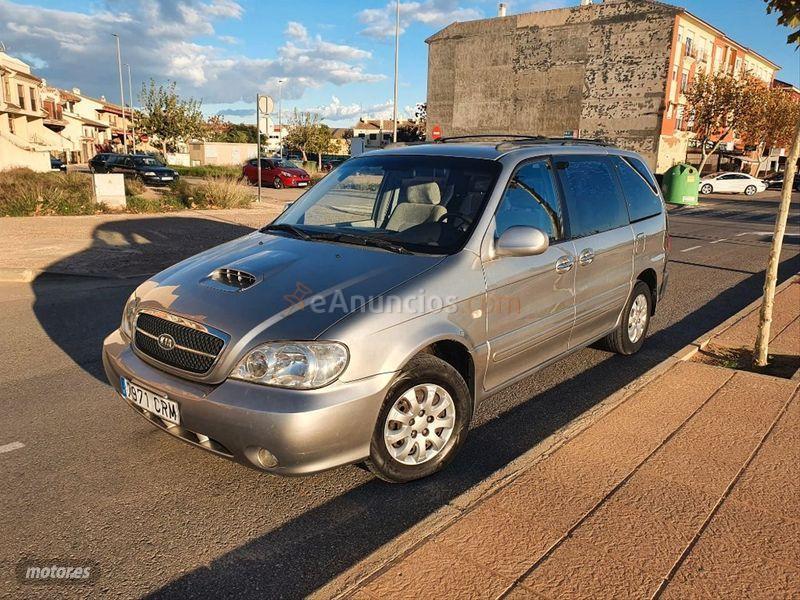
x,y
336,56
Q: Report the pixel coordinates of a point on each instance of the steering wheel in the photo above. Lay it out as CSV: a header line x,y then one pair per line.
x,y
456,220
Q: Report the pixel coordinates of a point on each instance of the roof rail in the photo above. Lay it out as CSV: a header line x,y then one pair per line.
x,y
554,140
488,136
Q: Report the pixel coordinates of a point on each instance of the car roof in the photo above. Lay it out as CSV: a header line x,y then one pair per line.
x,y
494,150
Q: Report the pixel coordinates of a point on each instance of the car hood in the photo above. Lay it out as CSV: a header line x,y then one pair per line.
x,y
297,172
157,170
302,287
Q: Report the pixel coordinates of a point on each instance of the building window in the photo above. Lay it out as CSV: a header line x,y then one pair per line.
x,y
362,135
373,136
675,73
688,46
684,82
737,67
33,99
679,118
680,33
6,89
11,125
387,136
21,96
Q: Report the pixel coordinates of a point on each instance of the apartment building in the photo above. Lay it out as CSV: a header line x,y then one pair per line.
x,y
22,132
615,70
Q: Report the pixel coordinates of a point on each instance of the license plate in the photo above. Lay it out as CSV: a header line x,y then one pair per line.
x,y
166,179
151,402
302,184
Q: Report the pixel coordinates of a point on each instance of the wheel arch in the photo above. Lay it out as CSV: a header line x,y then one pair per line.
x,y
649,277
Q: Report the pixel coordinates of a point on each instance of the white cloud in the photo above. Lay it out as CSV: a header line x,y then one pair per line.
x,y
159,40
380,22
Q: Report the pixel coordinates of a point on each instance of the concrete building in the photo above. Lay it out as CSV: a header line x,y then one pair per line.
x,y
614,70
340,141
22,130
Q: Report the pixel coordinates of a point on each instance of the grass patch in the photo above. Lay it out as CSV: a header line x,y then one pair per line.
x,y
25,193
209,171
216,192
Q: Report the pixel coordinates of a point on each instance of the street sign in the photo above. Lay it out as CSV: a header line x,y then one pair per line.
x,y
265,104
436,132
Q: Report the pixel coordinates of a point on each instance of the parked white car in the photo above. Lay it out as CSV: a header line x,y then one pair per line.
x,y
733,183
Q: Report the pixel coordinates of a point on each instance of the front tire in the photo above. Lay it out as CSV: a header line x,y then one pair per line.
x,y
706,189
277,183
629,337
750,190
423,421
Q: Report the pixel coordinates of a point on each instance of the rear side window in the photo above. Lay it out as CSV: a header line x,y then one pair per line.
x,y
594,201
531,200
643,202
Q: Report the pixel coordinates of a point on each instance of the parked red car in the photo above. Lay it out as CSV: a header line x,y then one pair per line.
x,y
277,172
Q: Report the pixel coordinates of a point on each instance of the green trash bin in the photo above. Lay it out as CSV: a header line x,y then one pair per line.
x,y
681,185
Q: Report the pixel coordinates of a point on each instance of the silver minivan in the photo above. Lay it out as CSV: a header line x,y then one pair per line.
x,y
370,319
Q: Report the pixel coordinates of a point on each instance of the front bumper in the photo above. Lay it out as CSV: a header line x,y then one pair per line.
x,y
305,430
158,180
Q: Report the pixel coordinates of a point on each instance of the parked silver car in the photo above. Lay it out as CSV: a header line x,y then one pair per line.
x,y
369,319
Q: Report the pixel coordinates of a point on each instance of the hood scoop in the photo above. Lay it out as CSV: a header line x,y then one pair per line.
x,y
230,280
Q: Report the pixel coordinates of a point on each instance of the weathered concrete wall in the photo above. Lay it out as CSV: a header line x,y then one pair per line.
x,y
600,70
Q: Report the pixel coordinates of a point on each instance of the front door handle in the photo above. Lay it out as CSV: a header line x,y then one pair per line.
x,y
586,257
564,264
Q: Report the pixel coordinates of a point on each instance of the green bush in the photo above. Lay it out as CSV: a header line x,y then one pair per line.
x,y
163,203
24,192
209,171
222,192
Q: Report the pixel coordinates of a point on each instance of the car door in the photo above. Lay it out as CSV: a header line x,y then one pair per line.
x,y
268,172
530,299
250,170
727,183
604,243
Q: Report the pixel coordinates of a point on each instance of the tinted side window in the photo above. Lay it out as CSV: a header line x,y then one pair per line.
x,y
594,202
642,200
531,200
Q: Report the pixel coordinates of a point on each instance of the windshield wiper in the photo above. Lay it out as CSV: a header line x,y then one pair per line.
x,y
362,240
287,228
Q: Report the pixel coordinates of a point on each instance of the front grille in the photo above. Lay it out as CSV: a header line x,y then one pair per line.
x,y
194,351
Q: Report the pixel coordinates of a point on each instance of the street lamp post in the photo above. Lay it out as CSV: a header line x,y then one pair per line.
x,y
130,112
280,116
396,63
122,97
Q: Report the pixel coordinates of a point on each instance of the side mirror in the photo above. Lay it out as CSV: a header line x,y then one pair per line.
x,y
522,241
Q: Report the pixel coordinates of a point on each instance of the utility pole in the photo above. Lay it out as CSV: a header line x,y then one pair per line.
x,y
396,63
122,97
280,116
130,112
258,142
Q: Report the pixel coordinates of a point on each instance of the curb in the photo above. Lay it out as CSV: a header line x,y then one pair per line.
x,y
25,275
348,582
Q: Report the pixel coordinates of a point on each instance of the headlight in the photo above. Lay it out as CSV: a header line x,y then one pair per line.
x,y
150,174
285,174
299,365
129,314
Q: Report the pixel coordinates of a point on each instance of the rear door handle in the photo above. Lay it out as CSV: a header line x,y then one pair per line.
x,y
564,264
586,257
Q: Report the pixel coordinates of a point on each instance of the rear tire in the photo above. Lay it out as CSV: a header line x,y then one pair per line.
x,y
706,189
750,190
398,421
629,337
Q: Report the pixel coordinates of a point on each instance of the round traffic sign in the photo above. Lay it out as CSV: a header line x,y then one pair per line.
x,y
265,104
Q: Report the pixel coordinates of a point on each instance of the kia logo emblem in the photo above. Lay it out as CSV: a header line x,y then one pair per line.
x,y
166,341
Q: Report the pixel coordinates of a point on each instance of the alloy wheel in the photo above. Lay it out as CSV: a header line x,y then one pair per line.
x,y
637,318
419,424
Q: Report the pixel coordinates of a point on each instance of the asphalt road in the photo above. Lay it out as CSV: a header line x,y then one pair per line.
x,y
86,479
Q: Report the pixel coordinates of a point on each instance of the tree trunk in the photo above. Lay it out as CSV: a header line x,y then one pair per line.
x,y
305,156
706,155
164,148
761,350
319,161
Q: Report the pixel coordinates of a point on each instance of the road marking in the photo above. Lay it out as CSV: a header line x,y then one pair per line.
x,y
692,248
720,240
11,447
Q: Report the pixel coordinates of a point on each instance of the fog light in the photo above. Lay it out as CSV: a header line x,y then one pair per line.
x,y
266,458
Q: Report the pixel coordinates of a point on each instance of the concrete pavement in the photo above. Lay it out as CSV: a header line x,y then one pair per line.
x,y
687,488
92,480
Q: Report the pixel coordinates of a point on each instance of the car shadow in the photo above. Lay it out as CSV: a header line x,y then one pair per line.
x,y
307,552
128,250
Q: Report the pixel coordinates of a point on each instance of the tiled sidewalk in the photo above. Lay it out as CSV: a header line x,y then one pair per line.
x,y
688,488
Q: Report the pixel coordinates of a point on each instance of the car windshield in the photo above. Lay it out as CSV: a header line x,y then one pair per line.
x,y
285,164
146,161
416,203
